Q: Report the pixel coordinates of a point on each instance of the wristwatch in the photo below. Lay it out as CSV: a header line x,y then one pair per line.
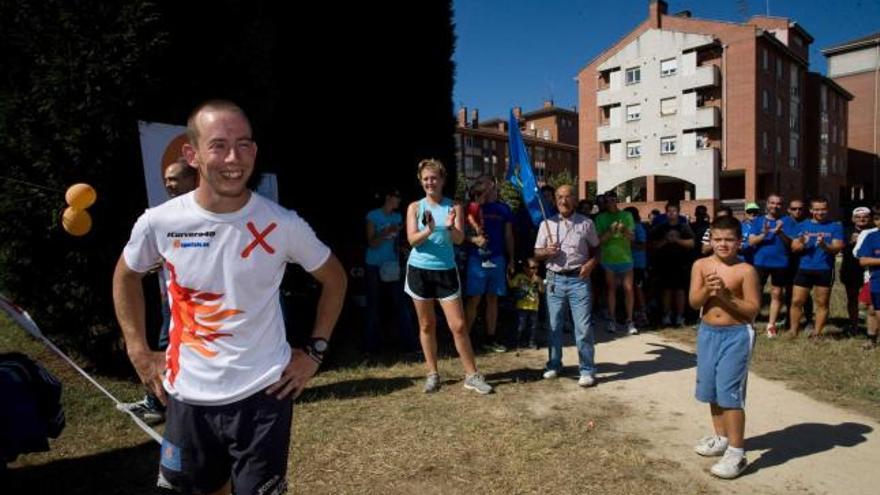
x,y
316,348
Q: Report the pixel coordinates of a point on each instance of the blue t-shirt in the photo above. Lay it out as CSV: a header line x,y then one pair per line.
x,y
436,252
640,257
771,252
870,248
496,216
814,258
385,250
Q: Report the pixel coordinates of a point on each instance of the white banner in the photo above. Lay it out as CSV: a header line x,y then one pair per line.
x,y
161,145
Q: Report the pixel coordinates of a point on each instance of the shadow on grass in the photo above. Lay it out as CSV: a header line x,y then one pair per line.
x,y
352,389
667,358
128,471
803,440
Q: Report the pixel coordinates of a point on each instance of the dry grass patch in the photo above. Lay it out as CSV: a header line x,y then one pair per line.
x,y
531,436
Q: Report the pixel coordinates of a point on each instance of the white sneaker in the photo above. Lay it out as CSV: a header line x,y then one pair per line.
x,y
586,381
551,374
730,466
631,329
711,446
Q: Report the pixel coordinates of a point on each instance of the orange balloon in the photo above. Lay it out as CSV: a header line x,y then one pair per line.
x,y
76,222
80,196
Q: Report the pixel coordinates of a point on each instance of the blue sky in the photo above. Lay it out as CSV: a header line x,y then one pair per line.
x,y
517,52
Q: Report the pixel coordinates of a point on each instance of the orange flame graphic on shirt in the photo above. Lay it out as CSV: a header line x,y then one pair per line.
x,y
195,322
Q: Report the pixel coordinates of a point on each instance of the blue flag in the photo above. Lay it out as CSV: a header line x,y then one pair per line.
x,y
519,171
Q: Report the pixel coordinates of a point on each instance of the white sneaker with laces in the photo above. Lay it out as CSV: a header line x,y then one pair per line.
x,y
631,329
730,466
711,446
551,374
586,381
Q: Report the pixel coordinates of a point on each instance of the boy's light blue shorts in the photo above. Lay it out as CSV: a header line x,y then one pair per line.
x,y
723,364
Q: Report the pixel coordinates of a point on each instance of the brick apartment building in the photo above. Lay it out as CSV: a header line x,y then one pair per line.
x,y
550,134
825,110
854,65
701,111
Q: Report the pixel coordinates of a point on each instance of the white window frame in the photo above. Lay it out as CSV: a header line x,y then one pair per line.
x,y
633,70
637,115
668,145
669,71
633,149
674,106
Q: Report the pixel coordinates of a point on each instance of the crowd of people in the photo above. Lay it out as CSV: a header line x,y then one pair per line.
x,y
228,377
641,271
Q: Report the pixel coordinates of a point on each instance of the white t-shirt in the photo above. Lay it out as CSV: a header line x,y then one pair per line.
x,y
227,338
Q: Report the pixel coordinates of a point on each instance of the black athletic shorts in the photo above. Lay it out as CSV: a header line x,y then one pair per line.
x,y
810,278
247,440
424,284
779,277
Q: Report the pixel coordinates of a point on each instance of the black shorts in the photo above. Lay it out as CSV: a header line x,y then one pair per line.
x,y
248,440
810,278
672,275
423,284
779,277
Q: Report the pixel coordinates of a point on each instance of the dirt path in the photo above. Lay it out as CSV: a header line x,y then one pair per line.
x,y
795,444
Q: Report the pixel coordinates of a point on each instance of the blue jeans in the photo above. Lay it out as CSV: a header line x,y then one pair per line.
x,y
406,332
573,294
526,326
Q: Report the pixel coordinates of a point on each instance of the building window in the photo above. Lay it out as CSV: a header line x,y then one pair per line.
x,y
778,145
547,134
633,112
778,107
833,163
668,67
779,64
765,100
667,145
795,80
633,75
702,141
633,149
668,106
793,152
766,58
764,142
531,126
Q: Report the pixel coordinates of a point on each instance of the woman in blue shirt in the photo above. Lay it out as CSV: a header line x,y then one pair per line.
x,y
433,225
382,272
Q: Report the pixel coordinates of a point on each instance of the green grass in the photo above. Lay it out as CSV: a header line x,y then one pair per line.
x,y
100,449
833,370
370,429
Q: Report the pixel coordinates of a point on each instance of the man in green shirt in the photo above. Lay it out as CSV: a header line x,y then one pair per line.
x,y
616,232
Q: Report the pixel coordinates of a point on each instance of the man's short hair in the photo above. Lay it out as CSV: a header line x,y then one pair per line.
x,y
186,171
674,204
728,222
192,131
477,190
818,199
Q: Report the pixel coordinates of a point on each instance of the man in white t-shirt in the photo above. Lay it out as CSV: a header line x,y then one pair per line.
x,y
228,362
